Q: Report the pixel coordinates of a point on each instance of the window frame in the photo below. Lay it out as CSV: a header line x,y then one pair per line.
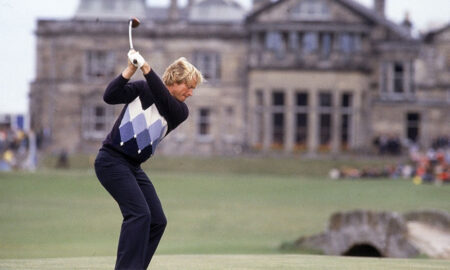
x,y
204,120
212,72
99,64
90,119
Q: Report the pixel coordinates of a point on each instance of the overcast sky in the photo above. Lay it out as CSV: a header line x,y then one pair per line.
x,y
18,22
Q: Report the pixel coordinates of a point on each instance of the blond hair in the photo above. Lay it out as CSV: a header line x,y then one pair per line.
x,y
181,71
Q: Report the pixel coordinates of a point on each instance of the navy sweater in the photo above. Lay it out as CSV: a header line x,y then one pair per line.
x,y
149,114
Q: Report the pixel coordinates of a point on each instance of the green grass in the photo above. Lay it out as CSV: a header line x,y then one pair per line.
x,y
236,262
283,165
224,207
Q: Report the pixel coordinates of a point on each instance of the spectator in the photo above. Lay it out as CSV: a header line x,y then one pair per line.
x,y
63,159
14,146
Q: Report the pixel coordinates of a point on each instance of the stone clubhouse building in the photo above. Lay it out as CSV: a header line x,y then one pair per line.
x,y
287,76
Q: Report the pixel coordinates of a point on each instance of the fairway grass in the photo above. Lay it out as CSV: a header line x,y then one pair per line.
x,y
234,262
51,214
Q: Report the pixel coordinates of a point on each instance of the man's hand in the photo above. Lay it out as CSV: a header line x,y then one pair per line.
x,y
136,58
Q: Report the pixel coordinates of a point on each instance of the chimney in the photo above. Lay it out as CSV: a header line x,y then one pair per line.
x,y
379,6
407,24
173,10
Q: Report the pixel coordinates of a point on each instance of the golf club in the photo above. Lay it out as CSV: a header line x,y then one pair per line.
x,y
132,23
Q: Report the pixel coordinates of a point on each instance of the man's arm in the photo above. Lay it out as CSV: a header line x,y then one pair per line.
x,y
119,91
177,111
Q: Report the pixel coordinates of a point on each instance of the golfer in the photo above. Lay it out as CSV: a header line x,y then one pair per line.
x,y
152,109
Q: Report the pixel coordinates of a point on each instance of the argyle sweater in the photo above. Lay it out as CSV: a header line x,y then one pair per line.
x,y
149,114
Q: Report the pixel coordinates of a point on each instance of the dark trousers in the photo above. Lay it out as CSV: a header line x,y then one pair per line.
x,y
143,217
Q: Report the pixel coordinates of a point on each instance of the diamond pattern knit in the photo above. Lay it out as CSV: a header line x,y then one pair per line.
x,y
147,126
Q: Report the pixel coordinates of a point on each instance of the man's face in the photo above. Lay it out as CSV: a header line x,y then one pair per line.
x,y
181,91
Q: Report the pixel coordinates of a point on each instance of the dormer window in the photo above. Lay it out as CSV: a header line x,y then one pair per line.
x,y
310,10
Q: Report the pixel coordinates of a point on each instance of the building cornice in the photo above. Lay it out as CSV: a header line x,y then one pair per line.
x,y
147,28
310,26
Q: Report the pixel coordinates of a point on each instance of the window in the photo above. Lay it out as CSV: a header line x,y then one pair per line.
x,y
325,100
274,41
302,99
301,130
412,71
310,42
325,45
96,120
384,77
301,127
204,122
345,43
325,126
325,129
412,126
349,43
209,64
100,63
293,41
278,130
278,98
346,101
398,78
259,118
345,130
310,10
346,118
278,101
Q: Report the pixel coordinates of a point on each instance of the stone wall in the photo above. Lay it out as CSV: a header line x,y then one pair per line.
x,y
384,232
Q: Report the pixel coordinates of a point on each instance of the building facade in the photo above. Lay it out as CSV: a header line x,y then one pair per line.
x,y
290,76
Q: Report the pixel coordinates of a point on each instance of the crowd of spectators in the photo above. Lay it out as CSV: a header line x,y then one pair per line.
x,y
430,166
14,149
388,144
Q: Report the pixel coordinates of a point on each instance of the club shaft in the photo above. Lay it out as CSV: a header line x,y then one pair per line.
x,y
129,35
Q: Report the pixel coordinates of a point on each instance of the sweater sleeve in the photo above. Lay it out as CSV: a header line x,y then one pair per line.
x,y
119,91
175,110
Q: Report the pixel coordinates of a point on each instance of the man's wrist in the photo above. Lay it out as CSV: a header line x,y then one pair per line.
x,y
128,72
146,68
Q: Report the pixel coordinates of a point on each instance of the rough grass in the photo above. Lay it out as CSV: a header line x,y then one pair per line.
x,y
235,262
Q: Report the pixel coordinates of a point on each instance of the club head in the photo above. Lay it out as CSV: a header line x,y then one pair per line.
x,y
135,22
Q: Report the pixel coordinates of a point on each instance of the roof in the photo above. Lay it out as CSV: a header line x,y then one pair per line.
x,y
358,8
230,3
204,11
156,13
431,34
111,10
